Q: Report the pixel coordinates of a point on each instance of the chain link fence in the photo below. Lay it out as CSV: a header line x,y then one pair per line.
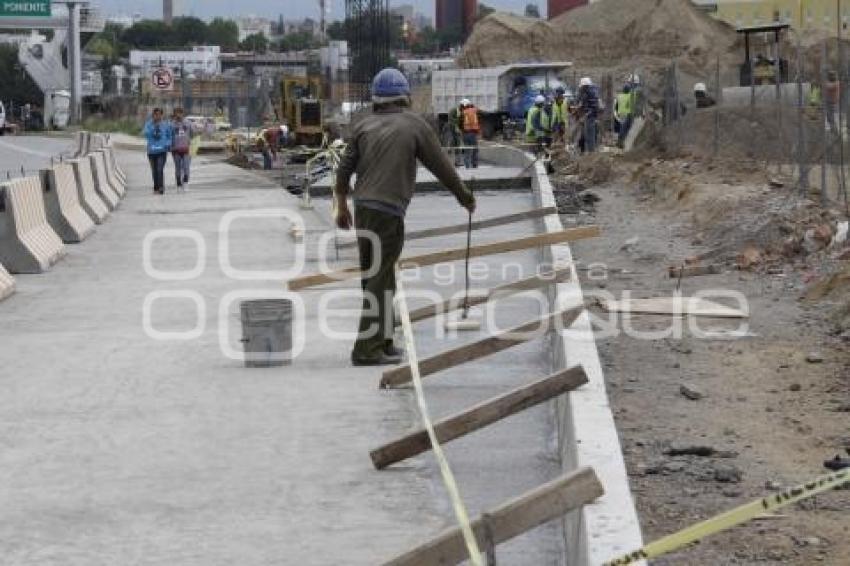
x,y
792,118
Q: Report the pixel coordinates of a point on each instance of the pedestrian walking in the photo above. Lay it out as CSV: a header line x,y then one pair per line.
x,y
157,133
383,150
181,145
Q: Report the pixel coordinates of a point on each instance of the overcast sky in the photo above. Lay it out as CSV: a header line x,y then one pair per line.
x,y
291,9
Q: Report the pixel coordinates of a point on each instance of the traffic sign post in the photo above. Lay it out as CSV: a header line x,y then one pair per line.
x,y
25,8
162,79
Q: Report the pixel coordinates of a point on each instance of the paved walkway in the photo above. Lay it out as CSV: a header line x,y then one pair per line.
x,y
121,449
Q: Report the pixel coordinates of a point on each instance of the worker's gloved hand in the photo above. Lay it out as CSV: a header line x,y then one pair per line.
x,y
342,216
470,206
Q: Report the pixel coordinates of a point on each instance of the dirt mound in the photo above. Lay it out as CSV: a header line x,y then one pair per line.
x,y
606,35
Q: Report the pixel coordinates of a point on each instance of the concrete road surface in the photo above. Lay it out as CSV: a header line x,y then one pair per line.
x,y
122,448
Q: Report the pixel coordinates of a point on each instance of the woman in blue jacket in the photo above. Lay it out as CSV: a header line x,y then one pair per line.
x,y
158,135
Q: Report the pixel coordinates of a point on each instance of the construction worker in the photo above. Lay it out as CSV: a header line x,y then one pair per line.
x,y
454,127
383,150
560,115
624,113
702,97
471,129
263,147
588,109
537,123
831,95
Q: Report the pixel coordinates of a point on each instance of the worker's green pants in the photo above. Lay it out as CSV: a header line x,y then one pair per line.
x,y
377,319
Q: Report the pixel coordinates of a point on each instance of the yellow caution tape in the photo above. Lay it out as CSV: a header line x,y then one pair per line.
x,y
732,518
446,471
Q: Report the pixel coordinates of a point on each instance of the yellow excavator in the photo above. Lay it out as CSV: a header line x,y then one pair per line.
x,y
301,107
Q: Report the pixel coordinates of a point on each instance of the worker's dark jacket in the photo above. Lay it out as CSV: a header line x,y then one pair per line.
x,y
588,101
383,151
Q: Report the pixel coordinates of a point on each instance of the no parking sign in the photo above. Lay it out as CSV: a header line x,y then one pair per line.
x,y
162,79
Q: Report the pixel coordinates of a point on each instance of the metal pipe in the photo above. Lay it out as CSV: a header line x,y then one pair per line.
x,y
75,63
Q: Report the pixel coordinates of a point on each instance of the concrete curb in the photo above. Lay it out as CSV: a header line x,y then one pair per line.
x,y
587,435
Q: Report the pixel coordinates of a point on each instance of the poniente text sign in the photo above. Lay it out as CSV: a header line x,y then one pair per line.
x,y
24,9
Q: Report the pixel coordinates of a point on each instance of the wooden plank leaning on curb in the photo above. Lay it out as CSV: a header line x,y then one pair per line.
x,y
505,246
496,343
478,297
477,225
531,509
479,416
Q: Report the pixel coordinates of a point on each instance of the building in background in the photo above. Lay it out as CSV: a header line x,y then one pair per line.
x,y
811,15
200,61
170,10
456,15
252,25
557,7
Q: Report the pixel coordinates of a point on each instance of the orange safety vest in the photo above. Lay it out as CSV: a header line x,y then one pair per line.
x,y
470,120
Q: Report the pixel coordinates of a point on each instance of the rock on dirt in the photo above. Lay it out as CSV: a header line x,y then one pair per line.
x,y
814,357
689,392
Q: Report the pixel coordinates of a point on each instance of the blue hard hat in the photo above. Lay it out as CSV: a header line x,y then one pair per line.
x,y
390,82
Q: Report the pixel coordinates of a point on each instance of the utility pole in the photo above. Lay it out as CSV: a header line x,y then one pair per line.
x,y
75,61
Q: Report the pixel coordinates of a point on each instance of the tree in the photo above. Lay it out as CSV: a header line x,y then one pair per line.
x,y
532,11
149,34
256,42
337,31
483,11
298,41
190,31
426,42
224,33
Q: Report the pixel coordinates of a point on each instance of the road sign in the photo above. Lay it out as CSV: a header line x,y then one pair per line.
x,y
25,9
162,79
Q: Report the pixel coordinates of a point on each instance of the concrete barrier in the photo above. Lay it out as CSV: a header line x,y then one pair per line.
x,y
112,174
101,182
95,207
587,434
98,142
27,242
62,204
7,283
122,176
83,140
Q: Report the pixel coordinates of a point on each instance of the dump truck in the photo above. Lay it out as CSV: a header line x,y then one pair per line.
x,y
500,93
301,107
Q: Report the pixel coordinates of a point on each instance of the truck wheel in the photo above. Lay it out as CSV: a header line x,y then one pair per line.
x,y
488,128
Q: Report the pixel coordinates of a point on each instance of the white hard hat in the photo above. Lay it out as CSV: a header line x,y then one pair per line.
x,y
466,102
634,79
539,99
699,87
585,81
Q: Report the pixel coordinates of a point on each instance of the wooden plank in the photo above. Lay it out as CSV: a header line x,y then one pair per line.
x,y
531,509
480,416
690,306
693,270
469,352
505,246
477,225
478,297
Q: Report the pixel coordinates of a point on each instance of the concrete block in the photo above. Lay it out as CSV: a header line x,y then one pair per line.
x,y
7,283
101,182
62,204
91,202
119,184
27,242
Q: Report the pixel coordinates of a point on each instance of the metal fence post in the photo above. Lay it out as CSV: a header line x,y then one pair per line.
x,y
802,154
824,136
718,98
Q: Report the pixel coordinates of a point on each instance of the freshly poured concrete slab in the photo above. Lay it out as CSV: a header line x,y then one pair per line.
x,y
125,448
485,177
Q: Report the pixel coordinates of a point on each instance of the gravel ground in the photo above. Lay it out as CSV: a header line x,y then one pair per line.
x,y
772,416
